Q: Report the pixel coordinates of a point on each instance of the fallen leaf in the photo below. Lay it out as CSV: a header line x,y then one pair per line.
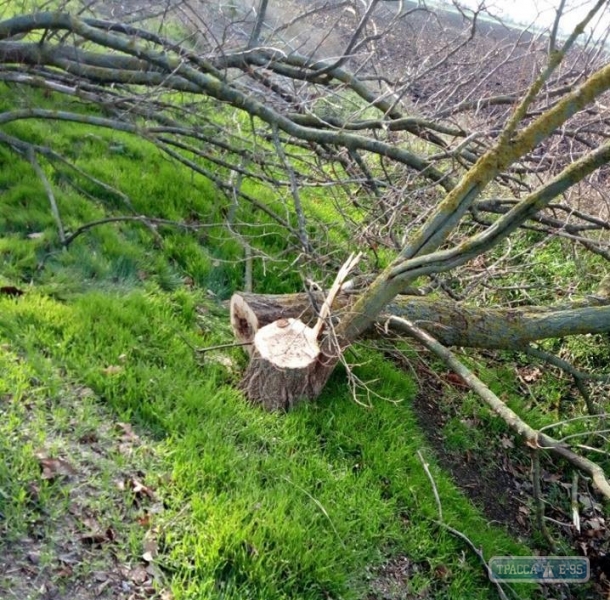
x,y
442,572
65,571
98,536
154,571
506,442
150,547
138,574
128,433
90,437
529,374
144,520
455,380
588,503
33,492
596,523
140,490
54,467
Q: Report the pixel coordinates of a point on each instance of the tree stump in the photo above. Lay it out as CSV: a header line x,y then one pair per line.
x,y
286,365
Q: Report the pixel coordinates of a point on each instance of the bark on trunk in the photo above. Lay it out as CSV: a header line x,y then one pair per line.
x,y
289,363
451,323
286,365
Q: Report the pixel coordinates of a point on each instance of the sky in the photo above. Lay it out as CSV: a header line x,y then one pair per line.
x,y
542,12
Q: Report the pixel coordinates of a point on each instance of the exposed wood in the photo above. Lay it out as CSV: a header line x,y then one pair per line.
x,y
344,271
250,312
286,365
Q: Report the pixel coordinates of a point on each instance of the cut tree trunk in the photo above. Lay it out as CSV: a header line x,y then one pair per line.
x,y
288,362
286,365
250,312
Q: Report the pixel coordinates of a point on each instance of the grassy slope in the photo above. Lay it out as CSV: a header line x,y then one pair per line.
x,y
304,505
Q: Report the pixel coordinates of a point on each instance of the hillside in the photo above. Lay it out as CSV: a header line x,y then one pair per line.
x,y
132,464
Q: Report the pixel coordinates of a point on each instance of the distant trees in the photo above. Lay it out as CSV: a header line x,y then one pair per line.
x,y
437,136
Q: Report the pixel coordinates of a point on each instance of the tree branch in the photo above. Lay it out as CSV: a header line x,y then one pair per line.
x,y
532,437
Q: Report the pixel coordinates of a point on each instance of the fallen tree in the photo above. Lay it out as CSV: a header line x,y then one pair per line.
x,y
411,160
287,363
451,323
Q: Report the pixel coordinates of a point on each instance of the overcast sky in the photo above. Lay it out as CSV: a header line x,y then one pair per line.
x,y
542,12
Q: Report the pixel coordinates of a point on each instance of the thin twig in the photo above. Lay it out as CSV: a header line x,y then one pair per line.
x,y
222,347
539,501
455,532
480,556
148,222
575,513
318,504
50,195
294,190
433,484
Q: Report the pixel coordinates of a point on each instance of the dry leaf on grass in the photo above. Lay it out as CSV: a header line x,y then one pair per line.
x,y
507,442
138,574
52,468
99,536
529,374
140,491
128,434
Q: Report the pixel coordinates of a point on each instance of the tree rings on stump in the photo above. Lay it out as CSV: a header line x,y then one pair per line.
x,y
285,365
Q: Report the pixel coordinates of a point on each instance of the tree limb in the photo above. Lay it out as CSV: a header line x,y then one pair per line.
x,y
535,439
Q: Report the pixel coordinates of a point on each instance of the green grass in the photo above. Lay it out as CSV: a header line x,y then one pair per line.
x,y
257,505
264,506
123,253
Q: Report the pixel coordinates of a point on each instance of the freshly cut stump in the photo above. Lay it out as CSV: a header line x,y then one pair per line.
x,y
285,365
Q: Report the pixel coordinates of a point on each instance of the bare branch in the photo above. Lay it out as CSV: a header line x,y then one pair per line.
x,y
533,438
